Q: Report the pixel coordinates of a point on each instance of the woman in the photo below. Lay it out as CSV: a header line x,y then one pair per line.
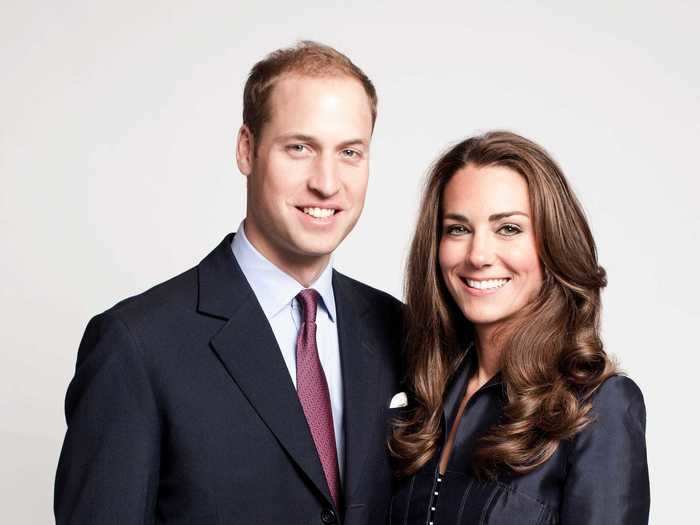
x,y
516,413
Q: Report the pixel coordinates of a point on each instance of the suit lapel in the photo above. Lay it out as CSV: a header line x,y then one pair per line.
x,y
360,378
248,350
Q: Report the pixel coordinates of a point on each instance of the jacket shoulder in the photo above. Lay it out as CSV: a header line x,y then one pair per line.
x,y
608,460
618,395
176,294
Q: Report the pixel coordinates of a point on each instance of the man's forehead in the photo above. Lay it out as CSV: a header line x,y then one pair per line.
x,y
293,81
311,94
334,109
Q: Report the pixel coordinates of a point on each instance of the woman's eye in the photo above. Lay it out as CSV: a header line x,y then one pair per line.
x,y
509,230
456,229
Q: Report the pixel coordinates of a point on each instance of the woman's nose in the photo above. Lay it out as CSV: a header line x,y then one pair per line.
x,y
480,252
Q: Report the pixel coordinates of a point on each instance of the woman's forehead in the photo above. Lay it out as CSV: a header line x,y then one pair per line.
x,y
486,191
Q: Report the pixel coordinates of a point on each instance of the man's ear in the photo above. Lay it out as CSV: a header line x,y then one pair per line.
x,y
245,150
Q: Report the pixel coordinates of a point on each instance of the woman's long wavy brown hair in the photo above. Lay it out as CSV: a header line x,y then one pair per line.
x,y
552,356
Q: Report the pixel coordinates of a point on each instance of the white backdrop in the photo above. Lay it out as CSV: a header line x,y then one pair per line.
x,y
117,171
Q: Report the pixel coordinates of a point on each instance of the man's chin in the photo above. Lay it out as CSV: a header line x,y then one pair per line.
x,y
317,244
315,252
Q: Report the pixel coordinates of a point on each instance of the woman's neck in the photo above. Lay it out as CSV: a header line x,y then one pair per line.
x,y
488,354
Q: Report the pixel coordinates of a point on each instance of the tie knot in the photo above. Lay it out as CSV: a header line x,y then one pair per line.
x,y
308,299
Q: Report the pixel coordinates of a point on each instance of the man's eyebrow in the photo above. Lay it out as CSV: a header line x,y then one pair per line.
x,y
493,218
297,137
353,142
301,137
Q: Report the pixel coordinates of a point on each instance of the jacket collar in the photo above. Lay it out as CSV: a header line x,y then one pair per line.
x,y
222,285
361,377
248,350
457,385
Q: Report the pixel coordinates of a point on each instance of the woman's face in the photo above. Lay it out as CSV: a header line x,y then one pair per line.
x,y
488,256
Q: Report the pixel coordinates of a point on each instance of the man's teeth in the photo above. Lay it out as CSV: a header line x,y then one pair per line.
x,y
488,284
319,213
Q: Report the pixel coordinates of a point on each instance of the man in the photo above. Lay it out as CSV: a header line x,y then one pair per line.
x,y
254,387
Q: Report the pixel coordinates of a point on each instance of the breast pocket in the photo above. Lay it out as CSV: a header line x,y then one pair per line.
x,y
510,506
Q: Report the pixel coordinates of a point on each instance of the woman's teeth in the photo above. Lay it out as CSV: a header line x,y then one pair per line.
x,y
489,284
319,213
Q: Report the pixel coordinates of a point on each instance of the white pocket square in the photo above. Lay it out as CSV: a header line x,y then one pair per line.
x,y
399,400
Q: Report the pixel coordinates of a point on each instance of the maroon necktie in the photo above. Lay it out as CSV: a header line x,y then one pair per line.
x,y
312,390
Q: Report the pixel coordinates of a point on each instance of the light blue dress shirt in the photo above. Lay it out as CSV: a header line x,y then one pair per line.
x,y
276,292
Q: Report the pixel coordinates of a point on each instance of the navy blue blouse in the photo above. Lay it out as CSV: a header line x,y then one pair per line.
x,y
599,477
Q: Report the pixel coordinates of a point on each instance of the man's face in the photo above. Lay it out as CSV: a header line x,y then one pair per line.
x,y
307,171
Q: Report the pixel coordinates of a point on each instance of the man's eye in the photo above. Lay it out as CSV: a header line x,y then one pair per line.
x,y
296,148
350,153
509,230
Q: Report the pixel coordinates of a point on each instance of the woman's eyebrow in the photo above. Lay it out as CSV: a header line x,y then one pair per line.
x,y
456,217
503,215
493,218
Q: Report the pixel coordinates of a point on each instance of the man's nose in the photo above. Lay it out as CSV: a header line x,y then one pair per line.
x,y
324,179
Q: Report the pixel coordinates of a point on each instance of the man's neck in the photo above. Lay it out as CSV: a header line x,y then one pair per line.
x,y
305,274
303,269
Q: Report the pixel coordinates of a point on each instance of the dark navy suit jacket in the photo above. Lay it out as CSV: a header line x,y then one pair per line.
x,y
182,410
599,477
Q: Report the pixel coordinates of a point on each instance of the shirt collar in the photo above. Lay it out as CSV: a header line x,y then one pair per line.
x,y
471,365
274,288
454,393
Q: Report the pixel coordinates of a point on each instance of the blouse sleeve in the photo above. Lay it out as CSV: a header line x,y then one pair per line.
x,y
607,479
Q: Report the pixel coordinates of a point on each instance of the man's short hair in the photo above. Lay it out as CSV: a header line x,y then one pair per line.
x,y
306,58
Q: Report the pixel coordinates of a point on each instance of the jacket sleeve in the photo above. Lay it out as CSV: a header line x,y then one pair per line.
x,y
607,479
108,468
